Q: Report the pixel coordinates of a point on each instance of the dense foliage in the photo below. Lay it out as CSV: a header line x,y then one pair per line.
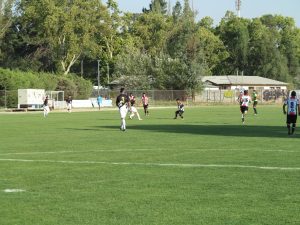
x,y
158,48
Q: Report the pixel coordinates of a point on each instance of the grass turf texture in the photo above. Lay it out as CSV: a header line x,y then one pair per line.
x,y
82,169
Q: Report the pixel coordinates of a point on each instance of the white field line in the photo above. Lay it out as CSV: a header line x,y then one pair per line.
x,y
149,150
184,165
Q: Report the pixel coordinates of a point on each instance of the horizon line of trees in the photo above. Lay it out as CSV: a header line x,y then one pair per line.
x,y
154,49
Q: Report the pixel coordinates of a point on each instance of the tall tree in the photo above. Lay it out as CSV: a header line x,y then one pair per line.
x,y
157,6
233,31
67,28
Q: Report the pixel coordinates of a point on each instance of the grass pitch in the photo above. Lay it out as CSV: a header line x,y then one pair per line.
x,y
79,168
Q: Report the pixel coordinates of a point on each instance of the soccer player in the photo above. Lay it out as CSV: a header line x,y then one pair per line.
x,y
46,107
255,101
180,110
133,110
122,103
69,104
244,104
293,109
145,101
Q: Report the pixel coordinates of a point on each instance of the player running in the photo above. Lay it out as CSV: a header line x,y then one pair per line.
x,y
180,110
122,103
133,110
293,109
245,100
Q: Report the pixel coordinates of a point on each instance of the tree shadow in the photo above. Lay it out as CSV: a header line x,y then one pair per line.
x,y
215,130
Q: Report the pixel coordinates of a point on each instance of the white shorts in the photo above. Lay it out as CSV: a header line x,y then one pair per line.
x,y
69,106
123,111
133,109
46,109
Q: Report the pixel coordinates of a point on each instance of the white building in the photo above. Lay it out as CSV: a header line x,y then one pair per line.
x,y
243,82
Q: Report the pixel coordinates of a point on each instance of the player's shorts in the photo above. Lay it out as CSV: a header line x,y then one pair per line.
x,y
244,109
145,106
133,109
123,111
47,108
69,106
291,119
255,103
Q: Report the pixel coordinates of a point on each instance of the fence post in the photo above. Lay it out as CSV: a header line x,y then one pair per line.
x,y
5,98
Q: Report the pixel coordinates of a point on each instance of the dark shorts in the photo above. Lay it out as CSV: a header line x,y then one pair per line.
x,y
291,119
255,103
180,112
244,109
145,106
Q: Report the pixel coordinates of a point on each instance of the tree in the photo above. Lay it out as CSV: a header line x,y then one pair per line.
x,y
265,58
66,28
233,31
157,6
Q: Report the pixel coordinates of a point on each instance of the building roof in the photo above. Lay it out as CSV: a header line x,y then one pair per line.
x,y
242,80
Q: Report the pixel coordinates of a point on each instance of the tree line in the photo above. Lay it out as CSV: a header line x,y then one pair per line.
x,y
158,48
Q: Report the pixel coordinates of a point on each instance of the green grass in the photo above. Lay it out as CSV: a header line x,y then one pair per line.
x,y
206,169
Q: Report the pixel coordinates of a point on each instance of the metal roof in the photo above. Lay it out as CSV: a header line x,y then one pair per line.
x,y
242,80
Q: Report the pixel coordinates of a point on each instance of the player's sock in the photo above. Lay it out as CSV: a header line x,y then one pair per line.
x,y
293,128
289,129
255,111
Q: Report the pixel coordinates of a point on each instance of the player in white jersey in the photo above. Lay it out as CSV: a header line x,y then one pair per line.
x,y
245,100
293,109
132,109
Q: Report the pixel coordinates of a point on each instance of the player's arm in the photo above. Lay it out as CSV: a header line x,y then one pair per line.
x,y
283,108
117,101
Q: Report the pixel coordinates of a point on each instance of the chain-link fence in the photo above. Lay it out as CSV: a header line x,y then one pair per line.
x,y
9,98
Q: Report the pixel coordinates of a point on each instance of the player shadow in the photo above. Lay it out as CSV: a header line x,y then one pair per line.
x,y
215,130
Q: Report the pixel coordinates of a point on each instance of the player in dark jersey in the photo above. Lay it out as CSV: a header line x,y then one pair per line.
x,y
122,103
180,110
293,109
46,107
69,104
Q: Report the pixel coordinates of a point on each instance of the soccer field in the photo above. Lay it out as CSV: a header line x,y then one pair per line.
x,y
80,169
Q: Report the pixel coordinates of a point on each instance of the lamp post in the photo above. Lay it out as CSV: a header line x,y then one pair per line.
x,y
98,77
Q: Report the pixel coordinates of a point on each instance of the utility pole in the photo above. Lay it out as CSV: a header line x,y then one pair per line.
x,y
169,8
98,77
238,5
107,64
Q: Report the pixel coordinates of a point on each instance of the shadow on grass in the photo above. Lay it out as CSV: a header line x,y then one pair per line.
x,y
217,130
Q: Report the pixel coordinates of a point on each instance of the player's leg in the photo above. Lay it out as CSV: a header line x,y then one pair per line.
x,y
176,114
254,108
288,125
243,114
181,114
293,128
294,124
123,112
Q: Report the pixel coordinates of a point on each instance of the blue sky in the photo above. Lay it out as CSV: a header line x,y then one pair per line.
x,y
217,8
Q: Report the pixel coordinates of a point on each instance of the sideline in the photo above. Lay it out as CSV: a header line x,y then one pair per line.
x,y
157,164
